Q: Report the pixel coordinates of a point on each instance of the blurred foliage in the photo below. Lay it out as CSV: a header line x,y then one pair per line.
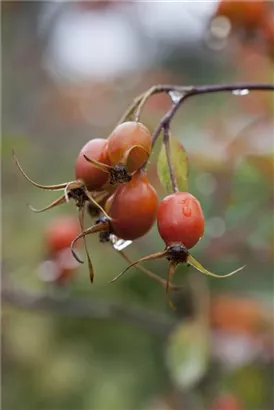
x,y
55,362
188,354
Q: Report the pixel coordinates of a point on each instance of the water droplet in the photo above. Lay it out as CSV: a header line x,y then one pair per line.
x,y
187,211
175,96
240,92
119,244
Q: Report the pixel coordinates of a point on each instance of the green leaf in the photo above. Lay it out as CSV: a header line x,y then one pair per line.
x,y
180,165
193,262
188,354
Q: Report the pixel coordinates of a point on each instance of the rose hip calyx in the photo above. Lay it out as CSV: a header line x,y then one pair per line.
x,y
177,253
119,174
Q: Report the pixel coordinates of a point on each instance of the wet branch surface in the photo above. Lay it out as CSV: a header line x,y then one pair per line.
x,y
187,92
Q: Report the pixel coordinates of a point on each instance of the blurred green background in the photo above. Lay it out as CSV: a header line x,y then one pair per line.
x,y
69,71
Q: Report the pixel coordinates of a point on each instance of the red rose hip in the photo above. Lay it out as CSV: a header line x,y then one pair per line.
x,y
180,219
93,177
133,207
129,144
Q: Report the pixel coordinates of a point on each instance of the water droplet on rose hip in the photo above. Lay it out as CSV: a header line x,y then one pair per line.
x,y
186,211
240,92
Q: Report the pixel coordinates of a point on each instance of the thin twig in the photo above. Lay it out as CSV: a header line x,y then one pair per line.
x,y
139,101
215,88
200,90
186,91
142,102
130,109
156,90
169,160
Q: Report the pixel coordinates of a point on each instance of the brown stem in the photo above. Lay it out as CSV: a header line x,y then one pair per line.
x,y
126,116
53,204
81,221
169,160
155,90
151,257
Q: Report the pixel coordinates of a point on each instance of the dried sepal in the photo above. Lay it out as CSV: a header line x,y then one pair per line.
x,y
103,167
193,262
133,155
57,187
118,173
99,198
98,227
92,200
73,189
53,204
148,272
157,255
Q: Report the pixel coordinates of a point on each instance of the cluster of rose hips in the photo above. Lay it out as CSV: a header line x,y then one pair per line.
x,y
250,18
112,184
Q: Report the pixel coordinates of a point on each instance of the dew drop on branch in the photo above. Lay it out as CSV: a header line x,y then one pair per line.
x,y
175,96
240,92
